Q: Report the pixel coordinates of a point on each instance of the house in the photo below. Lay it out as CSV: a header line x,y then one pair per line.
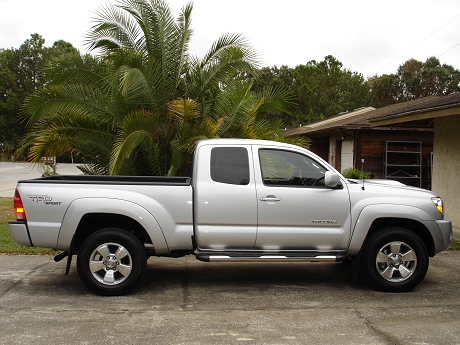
x,y
402,153
443,114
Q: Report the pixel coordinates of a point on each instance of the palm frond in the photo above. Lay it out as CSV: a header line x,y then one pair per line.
x,y
223,67
276,100
65,99
93,169
226,42
75,69
54,135
134,86
184,23
114,29
135,129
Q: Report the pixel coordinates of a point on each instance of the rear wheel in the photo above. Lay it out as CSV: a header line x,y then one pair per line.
x,y
111,262
395,259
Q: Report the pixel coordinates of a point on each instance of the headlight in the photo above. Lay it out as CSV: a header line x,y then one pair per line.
x,y
438,202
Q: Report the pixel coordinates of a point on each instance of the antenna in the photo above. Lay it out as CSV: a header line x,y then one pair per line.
x,y
362,172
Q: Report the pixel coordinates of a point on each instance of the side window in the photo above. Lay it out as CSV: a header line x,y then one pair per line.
x,y
230,165
285,168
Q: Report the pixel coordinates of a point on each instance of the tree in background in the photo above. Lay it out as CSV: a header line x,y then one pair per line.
x,y
20,76
277,78
321,89
134,77
414,79
419,79
139,105
10,98
384,90
325,88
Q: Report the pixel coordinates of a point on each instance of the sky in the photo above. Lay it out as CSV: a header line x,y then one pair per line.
x,y
368,36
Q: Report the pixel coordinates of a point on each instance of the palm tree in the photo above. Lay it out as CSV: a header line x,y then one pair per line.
x,y
140,104
73,111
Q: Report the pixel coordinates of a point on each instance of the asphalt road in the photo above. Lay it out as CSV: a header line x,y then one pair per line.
x,y
11,173
185,301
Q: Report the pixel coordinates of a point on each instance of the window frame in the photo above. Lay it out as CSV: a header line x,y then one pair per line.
x,y
290,184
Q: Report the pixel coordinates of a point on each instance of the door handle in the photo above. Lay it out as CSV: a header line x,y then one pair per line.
x,y
270,198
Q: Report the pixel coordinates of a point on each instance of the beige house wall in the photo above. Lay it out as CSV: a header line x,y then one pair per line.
x,y
446,165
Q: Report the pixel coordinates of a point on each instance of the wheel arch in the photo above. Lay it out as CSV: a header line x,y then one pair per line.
x,y
414,226
373,218
85,216
92,222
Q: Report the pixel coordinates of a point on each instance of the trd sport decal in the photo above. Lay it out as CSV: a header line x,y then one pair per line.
x,y
45,199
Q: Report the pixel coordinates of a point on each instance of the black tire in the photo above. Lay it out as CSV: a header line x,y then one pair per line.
x,y
111,262
395,259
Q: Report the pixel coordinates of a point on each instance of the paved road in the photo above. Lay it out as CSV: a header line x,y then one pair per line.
x,y
184,301
11,173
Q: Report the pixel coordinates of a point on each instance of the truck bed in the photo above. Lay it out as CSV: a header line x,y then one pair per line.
x,y
115,180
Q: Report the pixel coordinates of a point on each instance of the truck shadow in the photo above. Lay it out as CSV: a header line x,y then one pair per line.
x,y
162,275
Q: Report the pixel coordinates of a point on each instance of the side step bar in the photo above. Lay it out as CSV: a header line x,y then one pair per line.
x,y
259,257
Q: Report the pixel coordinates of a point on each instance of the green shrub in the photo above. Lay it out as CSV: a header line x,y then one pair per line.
x,y
356,173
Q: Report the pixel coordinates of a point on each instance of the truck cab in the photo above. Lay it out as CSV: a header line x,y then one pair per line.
x,y
280,196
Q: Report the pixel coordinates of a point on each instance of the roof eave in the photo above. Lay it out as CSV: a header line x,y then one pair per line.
x,y
416,115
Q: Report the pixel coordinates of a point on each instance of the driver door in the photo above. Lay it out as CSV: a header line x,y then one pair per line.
x,y
296,211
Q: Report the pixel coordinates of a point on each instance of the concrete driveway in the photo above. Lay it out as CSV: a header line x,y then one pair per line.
x,y
185,301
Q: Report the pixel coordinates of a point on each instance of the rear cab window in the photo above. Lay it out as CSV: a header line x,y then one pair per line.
x,y
230,165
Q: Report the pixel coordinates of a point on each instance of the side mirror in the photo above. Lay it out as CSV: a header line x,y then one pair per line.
x,y
332,180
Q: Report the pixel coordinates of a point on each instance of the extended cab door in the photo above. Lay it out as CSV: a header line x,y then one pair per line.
x,y
296,211
225,203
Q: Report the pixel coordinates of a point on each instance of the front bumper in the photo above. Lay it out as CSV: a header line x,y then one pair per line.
x,y
445,226
19,233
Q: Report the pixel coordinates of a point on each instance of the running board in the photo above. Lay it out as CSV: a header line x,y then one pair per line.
x,y
215,257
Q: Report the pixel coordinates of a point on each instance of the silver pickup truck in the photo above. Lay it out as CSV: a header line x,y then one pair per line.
x,y
247,201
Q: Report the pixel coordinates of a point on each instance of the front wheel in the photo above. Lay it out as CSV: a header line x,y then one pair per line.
x,y
111,262
395,259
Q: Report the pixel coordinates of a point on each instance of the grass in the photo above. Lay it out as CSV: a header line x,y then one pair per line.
x,y
455,245
7,246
